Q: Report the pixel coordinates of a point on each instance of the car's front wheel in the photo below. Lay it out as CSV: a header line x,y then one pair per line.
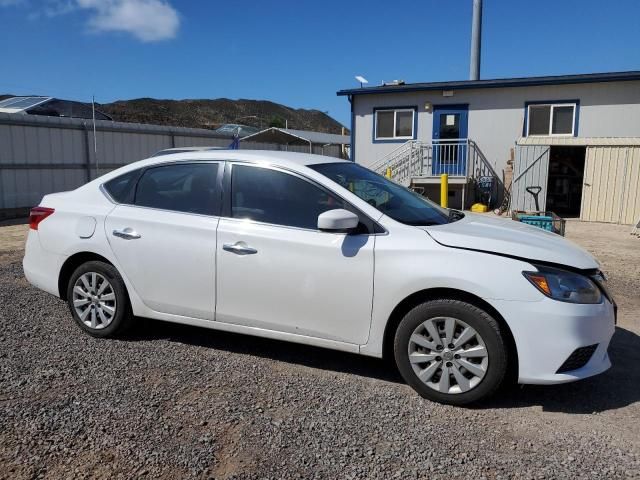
x,y
451,351
98,300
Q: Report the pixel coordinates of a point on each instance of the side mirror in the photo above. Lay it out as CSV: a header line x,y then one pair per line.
x,y
338,220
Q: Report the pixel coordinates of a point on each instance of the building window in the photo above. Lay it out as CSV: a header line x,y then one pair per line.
x,y
395,124
551,119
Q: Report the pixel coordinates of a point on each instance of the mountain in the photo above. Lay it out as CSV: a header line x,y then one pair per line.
x,y
213,113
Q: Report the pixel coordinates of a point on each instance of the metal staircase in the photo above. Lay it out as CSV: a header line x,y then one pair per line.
x,y
459,158
416,162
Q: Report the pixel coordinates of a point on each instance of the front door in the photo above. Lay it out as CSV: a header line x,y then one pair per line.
x,y
277,271
450,139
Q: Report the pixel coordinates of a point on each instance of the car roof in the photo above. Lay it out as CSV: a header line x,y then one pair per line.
x,y
168,151
290,160
285,159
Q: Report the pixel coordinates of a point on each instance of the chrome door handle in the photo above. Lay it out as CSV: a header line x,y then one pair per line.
x,y
239,248
127,234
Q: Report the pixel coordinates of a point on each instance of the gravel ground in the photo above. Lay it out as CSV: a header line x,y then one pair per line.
x,y
179,402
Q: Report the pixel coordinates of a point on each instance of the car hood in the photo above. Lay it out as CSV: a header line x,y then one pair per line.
x,y
507,237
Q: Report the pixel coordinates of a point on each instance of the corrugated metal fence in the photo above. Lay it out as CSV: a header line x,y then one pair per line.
x,y
40,155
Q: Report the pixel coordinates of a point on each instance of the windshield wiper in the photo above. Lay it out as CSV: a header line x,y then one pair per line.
x,y
455,215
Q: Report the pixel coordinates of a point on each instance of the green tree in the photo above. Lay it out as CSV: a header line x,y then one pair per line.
x,y
277,122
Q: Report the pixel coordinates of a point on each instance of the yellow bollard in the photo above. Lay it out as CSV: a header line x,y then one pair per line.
x,y
444,190
388,173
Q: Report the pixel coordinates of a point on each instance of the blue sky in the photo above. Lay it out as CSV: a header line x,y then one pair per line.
x,y
297,52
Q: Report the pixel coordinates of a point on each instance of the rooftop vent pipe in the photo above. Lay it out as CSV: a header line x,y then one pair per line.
x,y
476,41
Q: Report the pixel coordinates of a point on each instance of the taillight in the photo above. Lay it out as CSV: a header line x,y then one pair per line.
x,y
37,215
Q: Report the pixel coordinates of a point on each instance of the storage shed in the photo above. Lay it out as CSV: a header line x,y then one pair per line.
x,y
594,179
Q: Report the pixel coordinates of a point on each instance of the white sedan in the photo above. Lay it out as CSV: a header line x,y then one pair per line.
x,y
324,252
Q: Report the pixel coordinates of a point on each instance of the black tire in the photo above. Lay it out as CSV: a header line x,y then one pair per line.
x,y
122,319
485,325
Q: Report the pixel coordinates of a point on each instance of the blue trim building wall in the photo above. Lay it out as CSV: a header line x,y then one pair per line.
x,y
607,105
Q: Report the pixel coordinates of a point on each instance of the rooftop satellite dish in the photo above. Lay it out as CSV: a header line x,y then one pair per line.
x,y
362,80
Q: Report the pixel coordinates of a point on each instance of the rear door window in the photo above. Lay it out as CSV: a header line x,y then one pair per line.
x,y
121,188
189,188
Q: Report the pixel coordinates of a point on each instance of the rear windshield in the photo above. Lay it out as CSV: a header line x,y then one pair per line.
x,y
396,201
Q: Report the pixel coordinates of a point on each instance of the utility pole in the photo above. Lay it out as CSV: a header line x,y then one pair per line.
x,y
95,139
476,41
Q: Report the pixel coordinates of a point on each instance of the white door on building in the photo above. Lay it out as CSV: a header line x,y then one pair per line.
x,y
611,191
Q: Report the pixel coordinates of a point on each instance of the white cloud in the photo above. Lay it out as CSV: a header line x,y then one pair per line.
x,y
147,20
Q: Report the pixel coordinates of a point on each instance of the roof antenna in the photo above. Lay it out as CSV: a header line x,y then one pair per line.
x,y
362,80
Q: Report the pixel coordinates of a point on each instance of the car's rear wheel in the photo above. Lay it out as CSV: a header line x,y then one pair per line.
x,y
451,351
98,300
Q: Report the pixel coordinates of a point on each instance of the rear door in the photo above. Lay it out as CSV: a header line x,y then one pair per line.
x,y
277,271
165,239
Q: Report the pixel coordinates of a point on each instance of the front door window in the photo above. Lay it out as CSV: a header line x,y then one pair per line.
x,y
450,126
449,130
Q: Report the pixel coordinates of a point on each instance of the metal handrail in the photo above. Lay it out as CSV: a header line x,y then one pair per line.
x,y
450,140
392,154
484,159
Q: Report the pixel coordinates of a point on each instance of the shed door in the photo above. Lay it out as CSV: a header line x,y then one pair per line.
x,y
531,169
611,192
631,201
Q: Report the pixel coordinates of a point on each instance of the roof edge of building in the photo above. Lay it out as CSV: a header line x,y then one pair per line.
x,y
498,83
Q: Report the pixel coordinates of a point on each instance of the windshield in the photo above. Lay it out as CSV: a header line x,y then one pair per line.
x,y
392,199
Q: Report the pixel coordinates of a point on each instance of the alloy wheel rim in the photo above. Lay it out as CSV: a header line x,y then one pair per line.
x,y
94,300
448,355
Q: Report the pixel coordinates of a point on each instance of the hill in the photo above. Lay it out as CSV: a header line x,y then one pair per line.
x,y
213,113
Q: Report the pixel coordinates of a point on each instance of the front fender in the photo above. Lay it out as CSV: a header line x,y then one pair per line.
x,y
416,263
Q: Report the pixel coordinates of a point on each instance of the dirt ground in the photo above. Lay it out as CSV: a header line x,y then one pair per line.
x,y
181,402
619,254
12,238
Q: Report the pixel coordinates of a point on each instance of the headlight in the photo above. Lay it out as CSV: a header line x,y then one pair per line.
x,y
565,286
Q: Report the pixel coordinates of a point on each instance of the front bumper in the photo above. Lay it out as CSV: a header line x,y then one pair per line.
x,y
548,332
